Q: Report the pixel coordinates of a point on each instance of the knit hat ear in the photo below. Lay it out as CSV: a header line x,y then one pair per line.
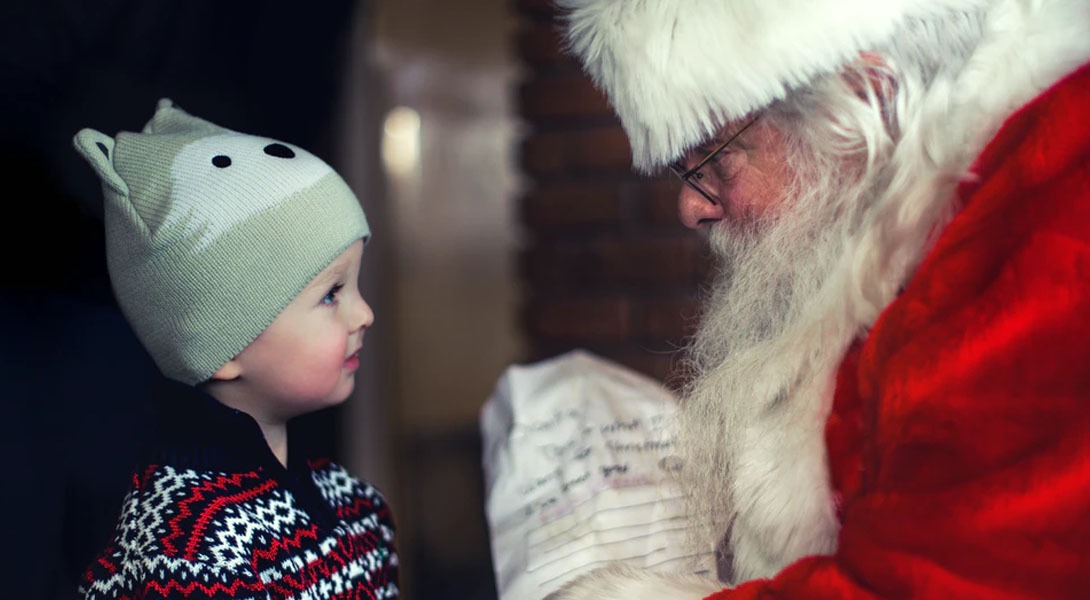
x,y
168,118
98,148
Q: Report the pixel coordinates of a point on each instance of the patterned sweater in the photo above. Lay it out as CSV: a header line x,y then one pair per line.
x,y
214,515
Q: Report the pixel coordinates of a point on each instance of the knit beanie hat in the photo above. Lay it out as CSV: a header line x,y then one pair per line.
x,y
210,233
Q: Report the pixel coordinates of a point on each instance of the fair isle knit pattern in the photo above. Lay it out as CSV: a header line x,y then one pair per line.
x,y
185,533
211,513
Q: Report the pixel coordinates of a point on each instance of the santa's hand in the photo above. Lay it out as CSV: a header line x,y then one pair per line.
x,y
629,583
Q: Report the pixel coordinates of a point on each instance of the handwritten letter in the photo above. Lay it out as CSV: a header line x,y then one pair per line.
x,y
579,460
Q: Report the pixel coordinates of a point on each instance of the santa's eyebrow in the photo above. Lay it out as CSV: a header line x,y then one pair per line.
x,y
707,146
722,135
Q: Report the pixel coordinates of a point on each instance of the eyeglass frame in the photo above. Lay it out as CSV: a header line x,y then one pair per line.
x,y
686,175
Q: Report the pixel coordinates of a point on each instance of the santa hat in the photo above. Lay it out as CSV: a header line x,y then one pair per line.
x,y
675,70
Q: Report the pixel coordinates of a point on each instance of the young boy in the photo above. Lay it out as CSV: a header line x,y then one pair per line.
x,y
235,259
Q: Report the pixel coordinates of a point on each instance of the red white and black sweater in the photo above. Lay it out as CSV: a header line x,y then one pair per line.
x,y
215,515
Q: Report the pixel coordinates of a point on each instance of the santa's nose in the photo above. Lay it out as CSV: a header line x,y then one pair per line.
x,y
695,210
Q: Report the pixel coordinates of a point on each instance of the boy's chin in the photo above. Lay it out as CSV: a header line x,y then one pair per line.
x,y
330,400
342,395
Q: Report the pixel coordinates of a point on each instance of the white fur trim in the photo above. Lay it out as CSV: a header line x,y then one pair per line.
x,y
628,583
675,70
784,501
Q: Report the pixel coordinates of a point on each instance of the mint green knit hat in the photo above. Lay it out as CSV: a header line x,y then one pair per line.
x,y
210,233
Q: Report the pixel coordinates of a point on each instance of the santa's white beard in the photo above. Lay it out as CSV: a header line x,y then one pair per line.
x,y
762,367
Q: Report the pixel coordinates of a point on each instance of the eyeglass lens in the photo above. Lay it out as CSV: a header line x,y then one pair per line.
x,y
703,176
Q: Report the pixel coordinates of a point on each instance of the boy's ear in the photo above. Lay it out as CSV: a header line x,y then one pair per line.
x,y
230,371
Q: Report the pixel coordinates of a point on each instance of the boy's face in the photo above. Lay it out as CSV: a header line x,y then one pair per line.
x,y
307,358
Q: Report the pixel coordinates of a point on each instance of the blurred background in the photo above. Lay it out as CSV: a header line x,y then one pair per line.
x,y
508,226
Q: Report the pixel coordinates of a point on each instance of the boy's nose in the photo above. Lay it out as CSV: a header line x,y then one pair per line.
x,y
362,315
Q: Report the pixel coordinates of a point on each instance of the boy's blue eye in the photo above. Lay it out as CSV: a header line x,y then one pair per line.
x,y
331,296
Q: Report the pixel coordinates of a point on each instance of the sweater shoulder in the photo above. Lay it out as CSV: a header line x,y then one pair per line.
x,y
161,545
350,497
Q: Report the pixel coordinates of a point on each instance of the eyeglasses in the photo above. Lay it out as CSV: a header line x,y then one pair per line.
x,y
706,181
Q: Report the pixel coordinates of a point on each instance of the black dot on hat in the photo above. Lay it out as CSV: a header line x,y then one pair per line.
x,y
279,151
221,161
102,147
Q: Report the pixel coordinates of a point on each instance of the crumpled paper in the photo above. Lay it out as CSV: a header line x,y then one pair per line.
x,y
580,464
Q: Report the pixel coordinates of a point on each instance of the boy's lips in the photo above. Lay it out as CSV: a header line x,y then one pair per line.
x,y
353,359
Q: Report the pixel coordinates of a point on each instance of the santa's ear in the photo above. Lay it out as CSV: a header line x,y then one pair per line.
x,y
872,79
230,371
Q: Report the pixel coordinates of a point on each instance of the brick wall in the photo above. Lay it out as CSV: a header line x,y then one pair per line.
x,y
606,265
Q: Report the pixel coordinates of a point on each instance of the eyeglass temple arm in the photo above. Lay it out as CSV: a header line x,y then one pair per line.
x,y
687,174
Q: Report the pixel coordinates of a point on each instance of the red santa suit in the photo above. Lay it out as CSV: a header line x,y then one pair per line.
x,y
959,441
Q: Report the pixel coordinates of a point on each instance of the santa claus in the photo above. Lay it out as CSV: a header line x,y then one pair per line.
x,y
890,391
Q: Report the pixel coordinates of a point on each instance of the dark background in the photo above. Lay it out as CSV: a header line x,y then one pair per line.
x,y
75,412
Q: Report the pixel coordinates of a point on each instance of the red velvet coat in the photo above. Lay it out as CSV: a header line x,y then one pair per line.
x,y
960,436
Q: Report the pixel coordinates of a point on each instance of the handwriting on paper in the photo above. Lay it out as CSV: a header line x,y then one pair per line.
x,y
581,459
